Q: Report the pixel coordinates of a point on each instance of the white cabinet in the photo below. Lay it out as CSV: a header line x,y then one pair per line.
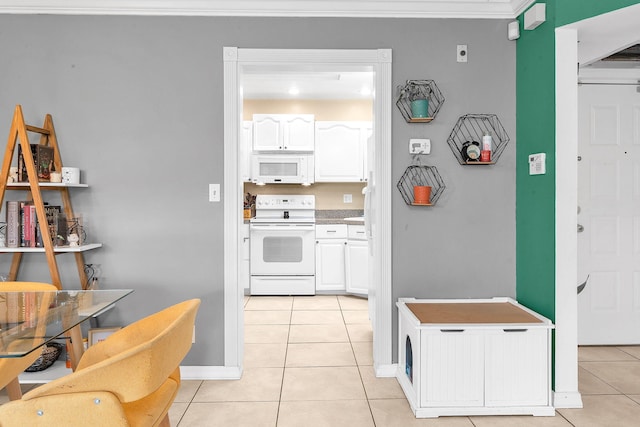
x,y
244,270
283,132
244,154
474,357
341,151
331,240
357,260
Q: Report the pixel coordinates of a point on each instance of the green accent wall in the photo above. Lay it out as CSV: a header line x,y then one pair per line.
x,y
535,130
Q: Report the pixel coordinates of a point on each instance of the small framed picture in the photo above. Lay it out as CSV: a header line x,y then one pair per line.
x,y
99,334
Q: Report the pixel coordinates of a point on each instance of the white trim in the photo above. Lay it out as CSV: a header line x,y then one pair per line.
x,y
488,9
380,60
387,371
567,400
566,218
233,295
209,373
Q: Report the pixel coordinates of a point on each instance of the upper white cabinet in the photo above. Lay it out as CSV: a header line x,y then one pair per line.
x,y
341,151
283,132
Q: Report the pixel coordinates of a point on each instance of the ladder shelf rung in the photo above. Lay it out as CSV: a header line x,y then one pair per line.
x,y
37,130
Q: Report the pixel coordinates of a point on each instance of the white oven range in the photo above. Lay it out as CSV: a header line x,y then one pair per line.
x,y
283,245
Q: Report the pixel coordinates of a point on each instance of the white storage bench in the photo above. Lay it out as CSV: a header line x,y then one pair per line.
x,y
474,357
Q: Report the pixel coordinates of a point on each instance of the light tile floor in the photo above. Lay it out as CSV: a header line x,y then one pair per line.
x,y
308,362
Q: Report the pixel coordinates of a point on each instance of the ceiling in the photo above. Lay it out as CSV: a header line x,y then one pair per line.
x,y
492,9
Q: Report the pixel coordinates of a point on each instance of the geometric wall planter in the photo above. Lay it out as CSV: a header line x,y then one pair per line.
x,y
469,130
419,90
417,175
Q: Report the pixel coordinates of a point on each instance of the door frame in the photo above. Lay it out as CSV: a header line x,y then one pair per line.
x,y
380,62
568,53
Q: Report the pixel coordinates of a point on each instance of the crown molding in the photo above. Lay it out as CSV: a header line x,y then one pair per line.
x,y
487,9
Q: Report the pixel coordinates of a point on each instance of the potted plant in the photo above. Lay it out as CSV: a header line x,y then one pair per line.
x,y
418,98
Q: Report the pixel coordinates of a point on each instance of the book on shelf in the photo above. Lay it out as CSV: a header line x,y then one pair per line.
x,y
24,229
13,224
43,160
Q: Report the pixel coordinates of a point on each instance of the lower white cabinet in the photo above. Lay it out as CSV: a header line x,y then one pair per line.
x,y
474,357
331,240
357,261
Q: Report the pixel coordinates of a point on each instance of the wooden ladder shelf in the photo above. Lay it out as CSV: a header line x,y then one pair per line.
x,y
18,135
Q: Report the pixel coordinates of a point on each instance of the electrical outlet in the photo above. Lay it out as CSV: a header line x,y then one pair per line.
x,y
347,198
214,192
462,53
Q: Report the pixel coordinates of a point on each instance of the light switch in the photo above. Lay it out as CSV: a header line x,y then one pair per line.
x,y
537,164
214,192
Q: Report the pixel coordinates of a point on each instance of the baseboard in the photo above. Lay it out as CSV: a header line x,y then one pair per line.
x,y
570,400
210,373
386,371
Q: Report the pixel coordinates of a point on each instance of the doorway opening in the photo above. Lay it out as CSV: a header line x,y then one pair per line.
x,y
378,61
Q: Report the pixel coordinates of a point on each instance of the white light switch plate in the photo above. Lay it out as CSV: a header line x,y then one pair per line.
x,y
419,146
214,192
537,164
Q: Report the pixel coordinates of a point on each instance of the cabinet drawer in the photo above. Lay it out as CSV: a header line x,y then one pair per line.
x,y
331,231
356,232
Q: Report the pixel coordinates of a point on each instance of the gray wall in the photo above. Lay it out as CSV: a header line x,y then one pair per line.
x,y
137,104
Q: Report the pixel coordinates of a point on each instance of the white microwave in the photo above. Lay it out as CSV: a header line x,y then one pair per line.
x,y
282,168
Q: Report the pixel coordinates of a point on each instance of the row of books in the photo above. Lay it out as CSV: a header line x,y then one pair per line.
x,y
24,229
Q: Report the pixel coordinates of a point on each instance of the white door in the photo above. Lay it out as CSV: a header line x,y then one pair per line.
x,y
609,214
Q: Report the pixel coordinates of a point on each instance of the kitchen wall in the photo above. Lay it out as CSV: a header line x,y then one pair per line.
x,y
138,105
329,195
327,110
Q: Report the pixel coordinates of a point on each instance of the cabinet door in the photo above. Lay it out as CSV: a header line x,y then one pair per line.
x,y
330,269
267,132
246,142
452,368
298,132
357,266
517,368
339,153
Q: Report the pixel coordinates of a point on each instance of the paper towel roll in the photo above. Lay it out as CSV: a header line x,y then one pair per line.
x,y
70,175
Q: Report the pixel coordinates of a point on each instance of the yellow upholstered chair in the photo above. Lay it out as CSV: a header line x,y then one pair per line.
x,y
129,379
10,368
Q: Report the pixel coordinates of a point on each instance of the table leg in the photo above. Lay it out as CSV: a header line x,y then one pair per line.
x,y
13,389
76,346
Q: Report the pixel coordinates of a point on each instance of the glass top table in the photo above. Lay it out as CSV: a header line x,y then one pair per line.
x,y
28,320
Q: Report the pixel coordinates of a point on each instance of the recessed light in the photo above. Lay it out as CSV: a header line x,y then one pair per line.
x,y
294,91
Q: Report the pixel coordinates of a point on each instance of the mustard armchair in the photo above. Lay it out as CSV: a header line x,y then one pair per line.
x,y
11,368
129,379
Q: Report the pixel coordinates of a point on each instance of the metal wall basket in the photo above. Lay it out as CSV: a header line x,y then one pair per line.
x,y
470,128
418,175
423,89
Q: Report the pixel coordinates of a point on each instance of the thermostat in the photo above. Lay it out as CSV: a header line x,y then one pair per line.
x,y
419,146
537,164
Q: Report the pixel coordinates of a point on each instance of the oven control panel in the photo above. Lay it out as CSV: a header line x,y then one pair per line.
x,y
289,202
